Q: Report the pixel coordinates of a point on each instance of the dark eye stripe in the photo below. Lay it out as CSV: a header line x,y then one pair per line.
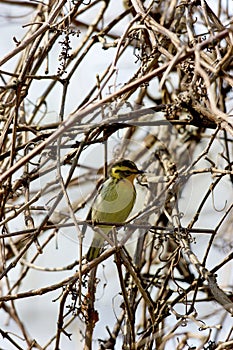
x,y
124,171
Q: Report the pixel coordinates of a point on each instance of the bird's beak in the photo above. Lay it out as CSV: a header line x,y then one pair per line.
x,y
141,172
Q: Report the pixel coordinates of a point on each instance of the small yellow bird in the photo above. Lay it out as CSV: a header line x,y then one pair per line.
x,y
114,201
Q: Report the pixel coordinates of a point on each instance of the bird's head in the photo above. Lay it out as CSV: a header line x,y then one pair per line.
x,y
125,169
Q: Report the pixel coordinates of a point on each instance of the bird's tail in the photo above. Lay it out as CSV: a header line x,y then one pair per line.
x,y
95,248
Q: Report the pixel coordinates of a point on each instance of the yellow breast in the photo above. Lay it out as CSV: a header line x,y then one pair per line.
x,y
114,201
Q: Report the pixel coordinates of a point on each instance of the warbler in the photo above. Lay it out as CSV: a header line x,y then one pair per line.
x,y
114,202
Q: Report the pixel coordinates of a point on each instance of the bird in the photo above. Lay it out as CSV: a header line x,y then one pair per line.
x,y
113,202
